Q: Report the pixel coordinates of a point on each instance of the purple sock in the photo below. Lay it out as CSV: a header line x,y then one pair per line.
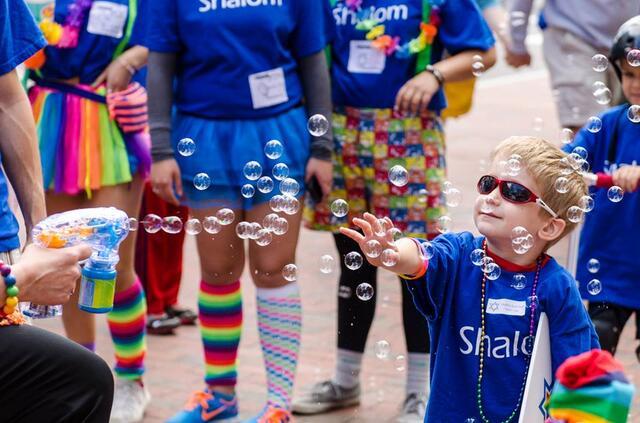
x,y
91,346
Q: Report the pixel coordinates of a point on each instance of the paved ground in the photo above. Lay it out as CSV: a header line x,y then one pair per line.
x,y
506,104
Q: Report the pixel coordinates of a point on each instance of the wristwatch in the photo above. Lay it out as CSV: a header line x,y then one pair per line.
x,y
435,72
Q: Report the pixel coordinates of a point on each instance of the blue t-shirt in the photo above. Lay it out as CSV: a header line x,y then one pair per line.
x,y
20,39
102,30
376,85
449,296
237,59
611,231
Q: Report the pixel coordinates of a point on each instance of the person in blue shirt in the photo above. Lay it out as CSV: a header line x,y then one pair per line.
x,y
483,295
239,100
61,381
608,275
389,61
90,160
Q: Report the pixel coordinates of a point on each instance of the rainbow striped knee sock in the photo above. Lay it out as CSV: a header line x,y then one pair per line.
x,y
279,326
127,323
220,313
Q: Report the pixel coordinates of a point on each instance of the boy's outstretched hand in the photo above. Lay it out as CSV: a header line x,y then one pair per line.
x,y
377,235
627,178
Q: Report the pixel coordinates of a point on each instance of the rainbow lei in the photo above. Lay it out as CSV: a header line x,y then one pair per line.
x,y
391,44
67,34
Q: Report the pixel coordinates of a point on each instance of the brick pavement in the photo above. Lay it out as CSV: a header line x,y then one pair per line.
x,y
504,105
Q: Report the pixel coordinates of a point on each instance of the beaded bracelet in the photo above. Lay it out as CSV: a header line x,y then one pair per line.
x,y
423,268
10,314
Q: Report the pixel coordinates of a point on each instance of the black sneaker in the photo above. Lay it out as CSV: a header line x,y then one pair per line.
x,y
326,396
162,325
187,317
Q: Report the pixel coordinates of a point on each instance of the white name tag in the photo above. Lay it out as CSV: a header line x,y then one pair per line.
x,y
507,307
365,58
107,18
268,88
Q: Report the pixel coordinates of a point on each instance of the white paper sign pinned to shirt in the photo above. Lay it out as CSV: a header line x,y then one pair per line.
x,y
108,19
365,58
268,88
506,307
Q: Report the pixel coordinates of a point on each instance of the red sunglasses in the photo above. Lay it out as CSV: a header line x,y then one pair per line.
x,y
512,192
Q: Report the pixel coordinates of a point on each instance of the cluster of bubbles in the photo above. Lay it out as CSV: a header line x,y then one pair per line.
x,y
521,240
452,195
510,167
602,93
594,286
477,67
491,269
152,223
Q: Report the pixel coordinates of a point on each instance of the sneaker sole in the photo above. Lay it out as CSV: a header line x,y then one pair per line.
x,y
319,408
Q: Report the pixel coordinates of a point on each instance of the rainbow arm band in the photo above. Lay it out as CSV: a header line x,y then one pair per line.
x,y
423,268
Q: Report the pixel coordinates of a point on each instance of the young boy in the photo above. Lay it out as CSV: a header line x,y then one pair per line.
x,y
483,324
611,231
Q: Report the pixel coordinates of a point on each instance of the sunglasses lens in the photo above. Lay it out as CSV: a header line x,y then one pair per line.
x,y
515,192
486,184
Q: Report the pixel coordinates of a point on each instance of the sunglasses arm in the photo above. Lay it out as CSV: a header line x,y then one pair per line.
x,y
544,205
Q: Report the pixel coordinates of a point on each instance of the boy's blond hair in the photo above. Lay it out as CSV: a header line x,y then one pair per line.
x,y
543,161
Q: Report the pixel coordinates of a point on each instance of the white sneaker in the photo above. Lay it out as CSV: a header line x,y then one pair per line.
x,y
413,409
130,401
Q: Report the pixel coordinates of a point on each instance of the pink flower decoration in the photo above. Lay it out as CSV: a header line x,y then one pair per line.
x,y
354,4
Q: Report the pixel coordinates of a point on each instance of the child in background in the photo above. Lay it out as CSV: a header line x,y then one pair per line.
x,y
607,261
488,287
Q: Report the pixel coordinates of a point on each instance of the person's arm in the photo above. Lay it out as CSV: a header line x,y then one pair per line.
x,y
314,75
498,19
165,173
517,53
118,74
19,148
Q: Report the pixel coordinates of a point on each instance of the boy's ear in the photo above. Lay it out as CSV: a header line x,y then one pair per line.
x,y
552,230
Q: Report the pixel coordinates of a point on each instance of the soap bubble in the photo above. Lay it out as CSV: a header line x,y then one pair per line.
x,y
201,181
389,257
615,194
493,272
562,185
398,176
339,208
277,203
268,222
281,226
586,203
225,216
290,272
538,124
533,301
429,250
289,186
581,151
243,230
454,197
318,125
353,260
476,256
382,349
372,248
444,224
133,224
327,264
477,68
252,170
519,281
633,57
247,190
212,225
152,223
172,224
599,62
574,214
364,291
593,265
291,205
485,205
394,233
486,263
263,237
273,149
633,113
594,124
514,166
566,135
521,240
603,95
594,287
280,171
265,185
186,147
400,363
193,226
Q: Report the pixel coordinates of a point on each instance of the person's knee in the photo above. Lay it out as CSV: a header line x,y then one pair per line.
x,y
608,333
221,273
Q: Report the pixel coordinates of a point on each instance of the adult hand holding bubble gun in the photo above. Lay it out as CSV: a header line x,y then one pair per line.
x,y
103,229
408,260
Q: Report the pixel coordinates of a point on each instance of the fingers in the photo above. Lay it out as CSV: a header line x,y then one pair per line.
x,y
399,97
354,235
415,103
177,183
405,101
80,252
100,79
364,225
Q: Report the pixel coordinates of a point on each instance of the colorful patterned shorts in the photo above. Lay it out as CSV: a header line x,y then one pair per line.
x,y
368,142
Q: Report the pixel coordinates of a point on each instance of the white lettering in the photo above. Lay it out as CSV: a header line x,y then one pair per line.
x,y
465,340
502,345
345,16
208,5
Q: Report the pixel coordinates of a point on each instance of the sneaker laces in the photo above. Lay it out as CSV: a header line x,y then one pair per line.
x,y
275,415
198,398
325,387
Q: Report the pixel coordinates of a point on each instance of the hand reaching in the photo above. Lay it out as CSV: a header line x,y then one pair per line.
x,y
375,231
